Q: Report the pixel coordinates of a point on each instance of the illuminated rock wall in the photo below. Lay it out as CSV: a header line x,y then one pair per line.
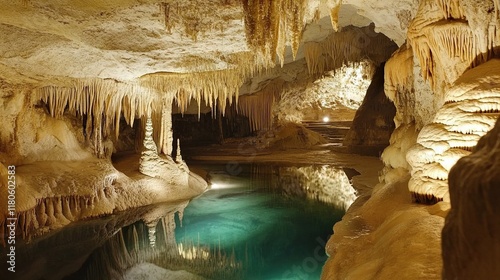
x,y
471,108
445,39
337,94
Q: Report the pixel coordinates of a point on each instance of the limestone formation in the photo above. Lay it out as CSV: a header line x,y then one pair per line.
x,y
443,82
88,91
470,110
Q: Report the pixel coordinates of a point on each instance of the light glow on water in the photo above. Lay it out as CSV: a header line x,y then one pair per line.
x,y
218,186
269,234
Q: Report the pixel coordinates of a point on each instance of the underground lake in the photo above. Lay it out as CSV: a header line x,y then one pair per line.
x,y
255,222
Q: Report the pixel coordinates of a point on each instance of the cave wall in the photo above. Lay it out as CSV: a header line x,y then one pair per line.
x,y
423,78
471,244
337,94
29,134
129,60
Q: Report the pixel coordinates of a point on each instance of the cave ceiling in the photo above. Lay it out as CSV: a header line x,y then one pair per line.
x,y
50,42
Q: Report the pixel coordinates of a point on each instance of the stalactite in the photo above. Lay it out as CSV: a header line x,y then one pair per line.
x,y
451,9
189,16
456,39
281,42
102,102
398,74
165,10
313,53
334,13
180,213
295,18
447,31
135,239
340,48
258,106
269,23
211,86
424,53
217,88
272,24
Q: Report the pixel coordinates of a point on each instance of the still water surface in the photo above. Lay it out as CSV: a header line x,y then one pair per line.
x,y
273,232
261,223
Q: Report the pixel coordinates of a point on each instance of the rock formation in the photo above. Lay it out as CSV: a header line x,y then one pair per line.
x,y
88,89
373,123
443,82
471,248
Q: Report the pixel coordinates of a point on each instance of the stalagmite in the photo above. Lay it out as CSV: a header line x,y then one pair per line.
x,y
178,156
149,155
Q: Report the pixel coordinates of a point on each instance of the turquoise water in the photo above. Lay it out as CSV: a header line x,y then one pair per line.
x,y
250,220
255,224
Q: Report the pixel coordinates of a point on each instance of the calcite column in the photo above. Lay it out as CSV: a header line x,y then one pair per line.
x,y
166,127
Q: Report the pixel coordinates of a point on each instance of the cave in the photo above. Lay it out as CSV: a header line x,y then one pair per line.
x,y
250,140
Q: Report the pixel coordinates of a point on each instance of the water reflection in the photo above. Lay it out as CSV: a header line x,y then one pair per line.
x,y
323,183
101,248
273,222
264,223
